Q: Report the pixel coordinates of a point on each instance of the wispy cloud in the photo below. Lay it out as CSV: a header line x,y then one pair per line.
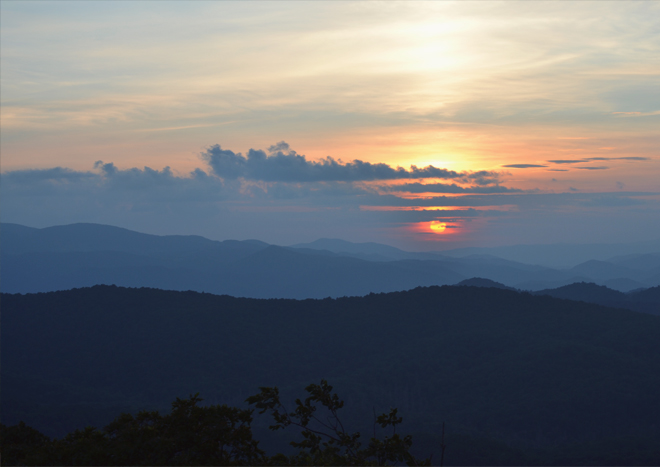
x,y
636,114
447,188
433,97
523,166
332,70
566,161
591,159
56,174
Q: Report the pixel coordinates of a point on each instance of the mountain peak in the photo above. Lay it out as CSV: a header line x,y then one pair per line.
x,y
481,282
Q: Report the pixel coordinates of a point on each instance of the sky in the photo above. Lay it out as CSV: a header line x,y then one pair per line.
x,y
423,125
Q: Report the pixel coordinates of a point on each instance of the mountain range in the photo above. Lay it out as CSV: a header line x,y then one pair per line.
x,y
81,255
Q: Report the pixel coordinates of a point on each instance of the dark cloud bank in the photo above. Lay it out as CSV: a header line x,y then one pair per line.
x,y
282,164
280,174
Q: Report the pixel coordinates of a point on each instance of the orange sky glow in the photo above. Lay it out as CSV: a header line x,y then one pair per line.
x,y
525,111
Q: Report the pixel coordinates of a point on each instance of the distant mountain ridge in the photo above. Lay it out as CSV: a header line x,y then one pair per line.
x,y
369,250
78,255
561,256
17,239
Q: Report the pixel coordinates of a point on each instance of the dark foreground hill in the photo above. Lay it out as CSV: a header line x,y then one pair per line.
x,y
644,301
529,371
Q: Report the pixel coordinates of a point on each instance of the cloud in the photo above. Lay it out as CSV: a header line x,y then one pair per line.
x,y
635,158
482,177
163,201
108,182
282,164
612,201
590,159
592,168
55,174
528,201
446,188
636,114
566,161
523,166
108,185
456,215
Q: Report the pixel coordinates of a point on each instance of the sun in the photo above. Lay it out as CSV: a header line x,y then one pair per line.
x,y
437,226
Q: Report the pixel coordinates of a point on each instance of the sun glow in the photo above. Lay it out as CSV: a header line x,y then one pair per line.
x,y
437,226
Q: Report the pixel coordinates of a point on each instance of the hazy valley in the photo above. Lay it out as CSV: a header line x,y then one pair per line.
x,y
82,255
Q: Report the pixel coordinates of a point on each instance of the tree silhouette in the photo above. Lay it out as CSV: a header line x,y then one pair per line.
x,y
325,440
192,434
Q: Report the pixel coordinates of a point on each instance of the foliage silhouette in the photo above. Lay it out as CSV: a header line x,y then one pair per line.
x,y
192,434
327,442
189,435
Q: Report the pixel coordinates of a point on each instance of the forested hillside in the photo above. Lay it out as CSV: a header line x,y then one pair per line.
x,y
529,371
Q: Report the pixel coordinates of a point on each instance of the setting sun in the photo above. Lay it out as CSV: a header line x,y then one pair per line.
x,y
437,226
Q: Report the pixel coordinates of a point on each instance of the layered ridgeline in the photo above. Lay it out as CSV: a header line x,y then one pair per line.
x,y
82,255
523,370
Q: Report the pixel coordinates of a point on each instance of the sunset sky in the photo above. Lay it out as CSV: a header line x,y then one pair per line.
x,y
423,125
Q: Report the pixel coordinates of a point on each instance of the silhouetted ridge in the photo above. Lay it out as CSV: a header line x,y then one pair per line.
x,y
587,292
645,302
526,367
481,282
651,295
